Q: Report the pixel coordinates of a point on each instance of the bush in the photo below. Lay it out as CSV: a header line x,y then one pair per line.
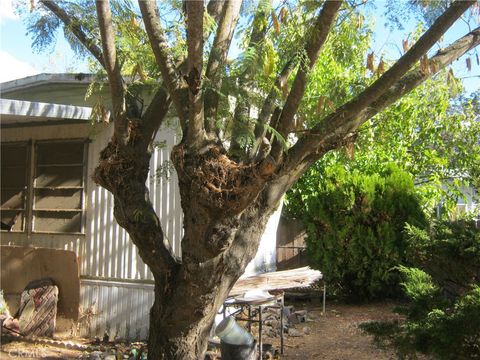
x,y
354,224
441,319
449,252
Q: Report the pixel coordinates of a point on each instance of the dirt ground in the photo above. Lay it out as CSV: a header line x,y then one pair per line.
x,y
331,336
336,336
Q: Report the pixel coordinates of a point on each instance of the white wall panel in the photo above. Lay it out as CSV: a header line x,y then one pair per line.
x,y
120,309
109,253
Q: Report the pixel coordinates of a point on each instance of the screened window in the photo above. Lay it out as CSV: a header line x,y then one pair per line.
x,y
14,159
53,199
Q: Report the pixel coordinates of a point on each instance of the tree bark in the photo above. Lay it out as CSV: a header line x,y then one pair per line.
x,y
187,302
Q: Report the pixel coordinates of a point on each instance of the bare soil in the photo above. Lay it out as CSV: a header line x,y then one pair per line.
x,y
334,335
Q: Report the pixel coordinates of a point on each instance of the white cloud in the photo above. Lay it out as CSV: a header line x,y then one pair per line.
x,y
13,68
7,11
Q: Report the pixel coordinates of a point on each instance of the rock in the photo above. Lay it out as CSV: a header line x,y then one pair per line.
x,y
293,319
294,332
110,357
307,330
287,310
96,355
301,315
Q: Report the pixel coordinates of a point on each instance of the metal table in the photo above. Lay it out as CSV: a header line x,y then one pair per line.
x,y
254,308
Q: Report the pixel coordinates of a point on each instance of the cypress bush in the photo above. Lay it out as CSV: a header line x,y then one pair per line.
x,y
442,316
355,229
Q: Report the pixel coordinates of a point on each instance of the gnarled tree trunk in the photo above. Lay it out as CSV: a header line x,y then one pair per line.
x,y
225,213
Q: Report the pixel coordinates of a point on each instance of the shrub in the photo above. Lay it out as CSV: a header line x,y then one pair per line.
x,y
354,224
441,319
449,252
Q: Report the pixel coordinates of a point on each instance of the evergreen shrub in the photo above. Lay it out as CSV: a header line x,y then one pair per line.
x,y
355,228
442,316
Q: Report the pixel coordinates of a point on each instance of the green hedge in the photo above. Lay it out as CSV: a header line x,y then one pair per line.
x,y
355,228
442,316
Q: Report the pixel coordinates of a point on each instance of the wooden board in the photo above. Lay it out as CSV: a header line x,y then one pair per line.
x,y
278,280
21,265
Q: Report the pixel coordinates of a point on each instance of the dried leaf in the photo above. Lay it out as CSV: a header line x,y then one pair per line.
x,y
330,105
405,45
370,62
321,104
469,63
450,77
350,150
283,15
381,67
133,21
433,67
424,65
276,24
360,19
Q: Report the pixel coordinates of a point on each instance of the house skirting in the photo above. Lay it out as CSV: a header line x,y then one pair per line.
x,y
118,308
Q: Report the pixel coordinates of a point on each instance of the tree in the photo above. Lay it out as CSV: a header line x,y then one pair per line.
x,y
229,185
432,133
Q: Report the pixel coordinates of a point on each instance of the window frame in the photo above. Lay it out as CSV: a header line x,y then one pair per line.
x,y
27,174
32,166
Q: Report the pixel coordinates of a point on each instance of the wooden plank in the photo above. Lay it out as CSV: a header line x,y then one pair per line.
x,y
278,280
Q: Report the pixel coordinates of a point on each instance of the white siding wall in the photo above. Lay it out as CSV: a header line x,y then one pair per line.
x,y
118,308
109,253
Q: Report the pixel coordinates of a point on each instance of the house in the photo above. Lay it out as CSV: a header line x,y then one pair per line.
x,y
51,208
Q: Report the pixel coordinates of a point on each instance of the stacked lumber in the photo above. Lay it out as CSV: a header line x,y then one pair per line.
x,y
278,280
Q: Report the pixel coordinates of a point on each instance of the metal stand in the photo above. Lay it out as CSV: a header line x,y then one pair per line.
x,y
254,308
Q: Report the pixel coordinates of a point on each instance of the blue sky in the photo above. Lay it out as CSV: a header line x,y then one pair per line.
x,y
18,60
16,56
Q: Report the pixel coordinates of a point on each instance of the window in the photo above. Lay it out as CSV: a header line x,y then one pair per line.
x,y
14,159
53,200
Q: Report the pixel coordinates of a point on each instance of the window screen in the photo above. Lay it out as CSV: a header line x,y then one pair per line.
x,y
58,187
14,159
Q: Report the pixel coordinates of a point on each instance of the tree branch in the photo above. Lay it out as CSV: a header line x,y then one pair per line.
x,y
419,49
195,132
331,132
312,48
74,24
155,114
215,9
159,44
440,60
218,55
241,115
113,69
268,107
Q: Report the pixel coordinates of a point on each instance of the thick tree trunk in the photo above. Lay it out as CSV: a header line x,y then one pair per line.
x,y
185,305
225,213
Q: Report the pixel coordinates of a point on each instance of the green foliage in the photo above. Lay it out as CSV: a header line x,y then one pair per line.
x,y
449,251
354,224
442,317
